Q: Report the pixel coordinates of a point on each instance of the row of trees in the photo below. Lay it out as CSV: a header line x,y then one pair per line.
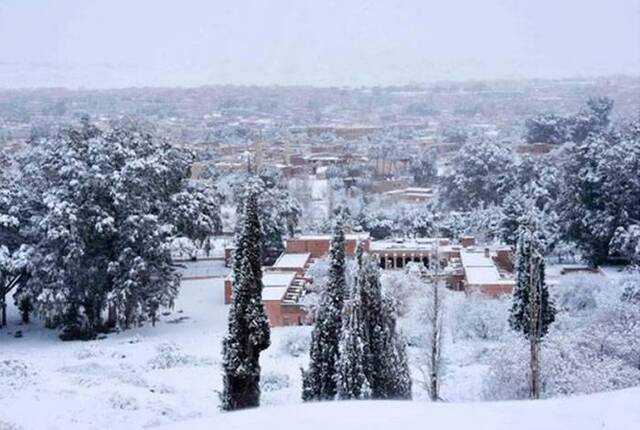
x,y
356,351
86,219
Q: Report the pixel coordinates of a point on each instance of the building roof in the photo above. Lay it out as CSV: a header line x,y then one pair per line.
x,y
348,236
476,259
482,275
277,279
297,260
480,269
273,293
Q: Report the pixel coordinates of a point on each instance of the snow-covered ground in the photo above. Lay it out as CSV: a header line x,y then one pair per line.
x,y
140,378
149,377
612,411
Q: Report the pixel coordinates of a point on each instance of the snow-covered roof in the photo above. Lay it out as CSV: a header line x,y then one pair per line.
x,y
482,275
277,279
476,259
480,269
293,260
348,236
273,293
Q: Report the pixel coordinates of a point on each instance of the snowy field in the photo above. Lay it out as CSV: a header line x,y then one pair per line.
x,y
612,411
171,374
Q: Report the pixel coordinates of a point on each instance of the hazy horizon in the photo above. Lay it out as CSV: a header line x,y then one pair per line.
x,y
116,44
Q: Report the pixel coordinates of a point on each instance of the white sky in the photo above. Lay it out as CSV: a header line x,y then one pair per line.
x,y
115,43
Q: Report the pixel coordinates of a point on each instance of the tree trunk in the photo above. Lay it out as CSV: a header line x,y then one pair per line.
x,y
534,325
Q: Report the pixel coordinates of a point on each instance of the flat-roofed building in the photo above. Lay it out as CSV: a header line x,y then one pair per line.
x,y
281,295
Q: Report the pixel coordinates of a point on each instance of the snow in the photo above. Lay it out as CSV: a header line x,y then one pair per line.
x,y
273,293
171,374
482,275
613,411
277,279
293,260
475,259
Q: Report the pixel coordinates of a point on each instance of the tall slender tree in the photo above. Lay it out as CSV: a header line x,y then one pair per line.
x,y
434,327
319,382
351,377
532,310
249,332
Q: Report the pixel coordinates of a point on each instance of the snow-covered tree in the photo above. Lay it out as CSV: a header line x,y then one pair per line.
x,y
424,170
480,174
396,371
248,333
599,191
433,335
626,242
279,211
532,310
373,326
101,213
320,380
351,377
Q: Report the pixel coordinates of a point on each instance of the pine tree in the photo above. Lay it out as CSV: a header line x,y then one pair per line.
x,y
320,380
532,310
248,334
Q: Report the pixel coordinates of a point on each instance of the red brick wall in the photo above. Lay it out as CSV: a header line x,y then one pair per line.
x,y
320,247
489,289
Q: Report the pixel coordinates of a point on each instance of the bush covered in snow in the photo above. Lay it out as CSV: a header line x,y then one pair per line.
x,y
170,355
479,317
594,346
120,401
274,381
295,340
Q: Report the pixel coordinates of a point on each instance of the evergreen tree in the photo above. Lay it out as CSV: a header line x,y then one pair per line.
x,y
320,380
351,377
395,371
375,347
532,310
100,209
248,334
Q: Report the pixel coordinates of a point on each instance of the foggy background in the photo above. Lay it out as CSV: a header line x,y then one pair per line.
x,y
121,43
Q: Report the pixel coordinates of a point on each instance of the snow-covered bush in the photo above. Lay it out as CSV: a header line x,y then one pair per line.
x,y
120,401
170,355
295,340
274,381
404,286
577,293
14,374
479,317
602,355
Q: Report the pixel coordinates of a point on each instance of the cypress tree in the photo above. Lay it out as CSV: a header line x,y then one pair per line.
x,y
375,348
248,332
530,283
319,382
351,377
532,310
396,376
385,360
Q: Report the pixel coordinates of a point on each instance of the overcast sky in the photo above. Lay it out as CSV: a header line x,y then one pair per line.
x,y
116,43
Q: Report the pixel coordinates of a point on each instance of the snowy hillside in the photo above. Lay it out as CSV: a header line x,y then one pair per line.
x,y
612,411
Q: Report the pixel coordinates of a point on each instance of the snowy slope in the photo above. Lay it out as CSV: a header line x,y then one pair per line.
x,y
618,410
